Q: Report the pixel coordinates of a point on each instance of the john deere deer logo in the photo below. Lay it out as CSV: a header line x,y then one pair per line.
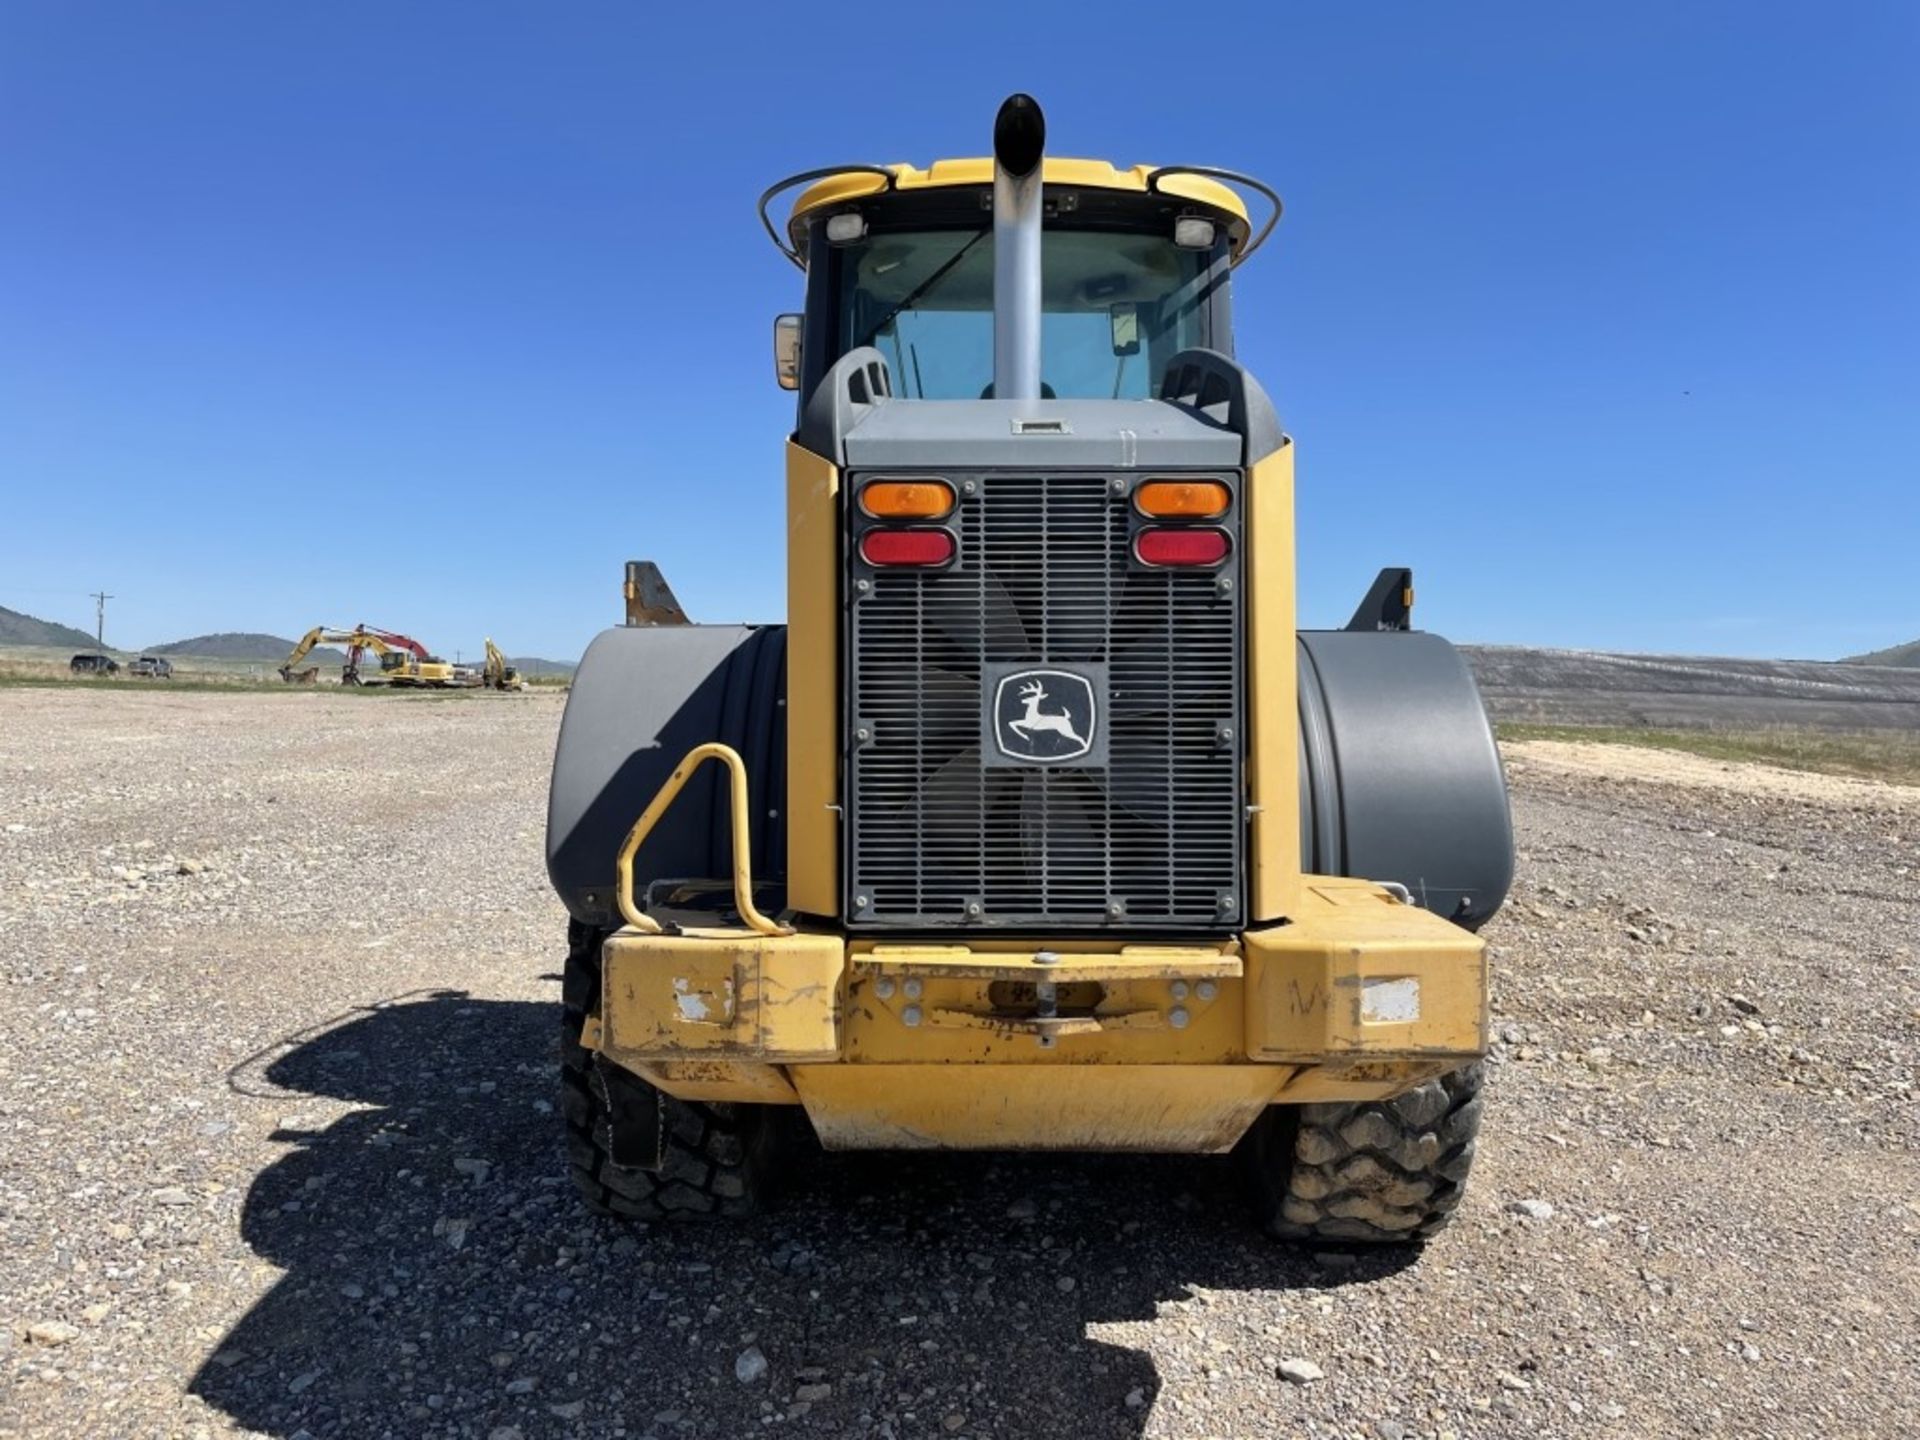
x,y
1044,715
1037,720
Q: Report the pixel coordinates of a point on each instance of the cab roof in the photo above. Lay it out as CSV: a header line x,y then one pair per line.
x,y
856,184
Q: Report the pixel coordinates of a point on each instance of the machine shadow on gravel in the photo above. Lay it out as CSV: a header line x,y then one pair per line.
x,y
443,1279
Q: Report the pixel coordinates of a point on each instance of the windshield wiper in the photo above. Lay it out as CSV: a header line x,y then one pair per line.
x,y
919,291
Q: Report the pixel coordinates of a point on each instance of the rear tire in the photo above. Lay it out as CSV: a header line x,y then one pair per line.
x,y
1389,1172
638,1153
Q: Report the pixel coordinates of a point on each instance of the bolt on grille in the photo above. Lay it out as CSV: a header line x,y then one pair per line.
x,y
1045,733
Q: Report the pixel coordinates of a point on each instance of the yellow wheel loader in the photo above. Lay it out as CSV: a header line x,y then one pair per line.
x,y
1038,825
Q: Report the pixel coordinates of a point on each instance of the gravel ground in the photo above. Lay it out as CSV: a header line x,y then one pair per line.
x,y
279,1153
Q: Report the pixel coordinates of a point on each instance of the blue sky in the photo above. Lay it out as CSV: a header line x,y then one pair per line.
x,y
1602,316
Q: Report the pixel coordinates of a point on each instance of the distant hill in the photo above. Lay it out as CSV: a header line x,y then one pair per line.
x,y
1907,656
248,645
533,665
1678,692
18,629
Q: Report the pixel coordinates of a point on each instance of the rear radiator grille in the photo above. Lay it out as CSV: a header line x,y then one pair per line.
x,y
947,829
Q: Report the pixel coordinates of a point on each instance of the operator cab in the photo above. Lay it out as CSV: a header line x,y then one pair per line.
x,y
1135,270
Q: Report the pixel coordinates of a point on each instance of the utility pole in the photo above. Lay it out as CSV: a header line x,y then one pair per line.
x,y
100,598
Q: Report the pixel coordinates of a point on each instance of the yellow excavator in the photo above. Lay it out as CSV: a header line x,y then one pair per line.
x,y
404,661
498,674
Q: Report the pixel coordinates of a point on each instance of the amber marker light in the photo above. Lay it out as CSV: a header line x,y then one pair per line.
x,y
1183,499
906,547
1169,548
907,499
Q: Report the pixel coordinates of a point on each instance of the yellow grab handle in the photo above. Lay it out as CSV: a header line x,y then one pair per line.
x,y
742,841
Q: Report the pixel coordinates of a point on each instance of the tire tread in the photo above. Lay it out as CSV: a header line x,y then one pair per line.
x,y
1380,1172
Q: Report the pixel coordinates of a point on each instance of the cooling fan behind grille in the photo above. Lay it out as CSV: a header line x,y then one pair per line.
x,y
962,808
1060,813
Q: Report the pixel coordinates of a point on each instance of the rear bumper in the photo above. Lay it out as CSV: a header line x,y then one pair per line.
x,y
1001,1044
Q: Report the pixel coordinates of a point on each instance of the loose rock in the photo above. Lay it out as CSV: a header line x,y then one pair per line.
x,y
751,1366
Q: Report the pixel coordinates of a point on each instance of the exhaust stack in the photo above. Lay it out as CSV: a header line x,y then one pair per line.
x,y
1019,141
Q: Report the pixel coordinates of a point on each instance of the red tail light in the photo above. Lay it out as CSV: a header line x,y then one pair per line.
x,y
906,547
1181,547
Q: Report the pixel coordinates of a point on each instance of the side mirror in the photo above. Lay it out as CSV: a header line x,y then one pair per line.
x,y
786,350
1124,321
